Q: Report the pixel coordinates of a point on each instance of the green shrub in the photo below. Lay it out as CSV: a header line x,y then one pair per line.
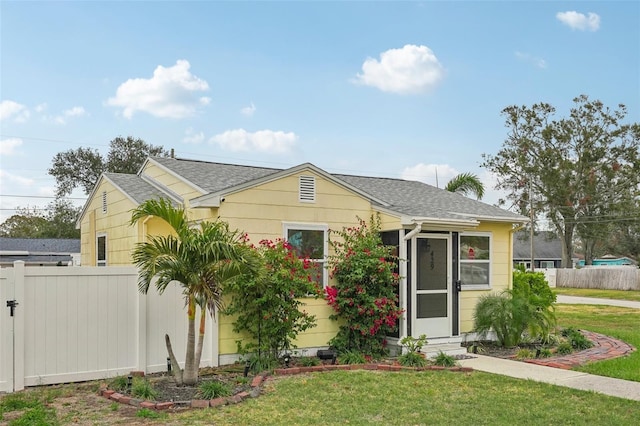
x,y
444,360
269,307
262,362
211,389
141,388
412,359
119,384
510,314
544,353
414,344
577,340
351,357
525,353
564,348
364,291
308,361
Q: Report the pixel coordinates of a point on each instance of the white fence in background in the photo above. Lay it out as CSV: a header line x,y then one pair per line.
x,y
85,323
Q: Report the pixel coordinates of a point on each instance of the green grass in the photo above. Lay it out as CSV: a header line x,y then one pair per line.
x,y
621,323
633,295
33,409
426,398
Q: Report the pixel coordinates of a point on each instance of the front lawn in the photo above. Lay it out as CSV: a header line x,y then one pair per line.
x,y
633,295
621,323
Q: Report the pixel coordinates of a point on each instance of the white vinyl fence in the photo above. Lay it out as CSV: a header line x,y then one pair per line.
x,y
85,323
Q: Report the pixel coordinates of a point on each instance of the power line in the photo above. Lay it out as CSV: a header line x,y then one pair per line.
x,y
42,196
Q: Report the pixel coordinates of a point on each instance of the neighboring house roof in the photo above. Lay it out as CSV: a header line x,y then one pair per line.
x,y
546,246
408,198
38,250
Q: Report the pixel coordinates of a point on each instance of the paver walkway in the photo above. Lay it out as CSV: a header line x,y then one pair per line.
x,y
604,347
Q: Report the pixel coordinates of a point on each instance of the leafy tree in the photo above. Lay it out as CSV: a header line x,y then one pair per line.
x,y
83,166
58,222
26,223
573,170
268,306
466,184
201,259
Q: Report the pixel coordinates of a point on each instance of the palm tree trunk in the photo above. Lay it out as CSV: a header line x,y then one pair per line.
x,y
203,317
177,371
190,376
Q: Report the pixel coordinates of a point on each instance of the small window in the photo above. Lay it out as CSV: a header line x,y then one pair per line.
x,y
475,259
547,264
307,189
310,241
104,201
101,250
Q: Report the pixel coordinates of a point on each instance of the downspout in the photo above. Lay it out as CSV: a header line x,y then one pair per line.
x,y
413,232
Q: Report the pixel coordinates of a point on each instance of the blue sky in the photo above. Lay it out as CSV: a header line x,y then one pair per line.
x,y
395,89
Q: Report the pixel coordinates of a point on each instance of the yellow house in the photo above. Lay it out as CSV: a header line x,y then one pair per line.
x,y
453,249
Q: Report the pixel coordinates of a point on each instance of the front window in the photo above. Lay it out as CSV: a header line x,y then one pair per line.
x,y
475,259
310,241
101,250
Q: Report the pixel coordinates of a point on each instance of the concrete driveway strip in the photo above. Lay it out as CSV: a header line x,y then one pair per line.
x,y
576,300
555,376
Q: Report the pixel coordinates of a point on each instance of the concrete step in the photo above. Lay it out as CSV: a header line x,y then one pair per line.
x,y
453,349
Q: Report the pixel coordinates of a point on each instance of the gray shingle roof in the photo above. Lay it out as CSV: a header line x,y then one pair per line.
x,y
40,245
410,198
136,187
214,177
546,246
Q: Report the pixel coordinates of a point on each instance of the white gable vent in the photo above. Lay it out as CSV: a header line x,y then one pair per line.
x,y
104,202
307,189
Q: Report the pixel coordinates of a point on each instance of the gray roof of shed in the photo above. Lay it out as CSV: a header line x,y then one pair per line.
x,y
410,198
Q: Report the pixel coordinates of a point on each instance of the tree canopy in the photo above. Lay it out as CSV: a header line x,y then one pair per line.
x,y
83,166
581,172
59,221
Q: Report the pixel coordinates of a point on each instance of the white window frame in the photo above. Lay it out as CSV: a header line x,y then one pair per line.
x,y
301,226
102,262
489,261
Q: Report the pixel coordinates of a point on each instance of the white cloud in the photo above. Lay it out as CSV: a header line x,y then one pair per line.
x,y
248,110
262,140
40,108
192,137
70,113
11,109
534,60
171,93
411,69
433,174
7,146
579,21
5,176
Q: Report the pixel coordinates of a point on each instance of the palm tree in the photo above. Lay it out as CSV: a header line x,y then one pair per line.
x,y
465,184
201,259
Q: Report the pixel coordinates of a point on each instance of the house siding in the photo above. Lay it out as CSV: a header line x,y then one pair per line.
x,y
261,211
114,224
501,269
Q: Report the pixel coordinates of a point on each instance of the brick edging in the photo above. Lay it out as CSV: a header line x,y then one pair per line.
x,y
259,380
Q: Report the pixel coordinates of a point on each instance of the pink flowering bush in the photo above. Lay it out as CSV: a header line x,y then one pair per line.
x,y
363,295
268,306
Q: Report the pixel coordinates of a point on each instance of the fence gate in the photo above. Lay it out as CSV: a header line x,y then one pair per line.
x,y
7,312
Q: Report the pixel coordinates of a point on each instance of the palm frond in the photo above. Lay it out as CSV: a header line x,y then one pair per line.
x,y
466,184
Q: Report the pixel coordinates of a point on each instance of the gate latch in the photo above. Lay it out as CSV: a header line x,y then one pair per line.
x,y
11,304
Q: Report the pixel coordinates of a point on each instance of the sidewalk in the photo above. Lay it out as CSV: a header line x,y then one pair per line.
x,y
555,376
562,376
576,300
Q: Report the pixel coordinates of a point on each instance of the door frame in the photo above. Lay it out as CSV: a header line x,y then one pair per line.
x,y
414,281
